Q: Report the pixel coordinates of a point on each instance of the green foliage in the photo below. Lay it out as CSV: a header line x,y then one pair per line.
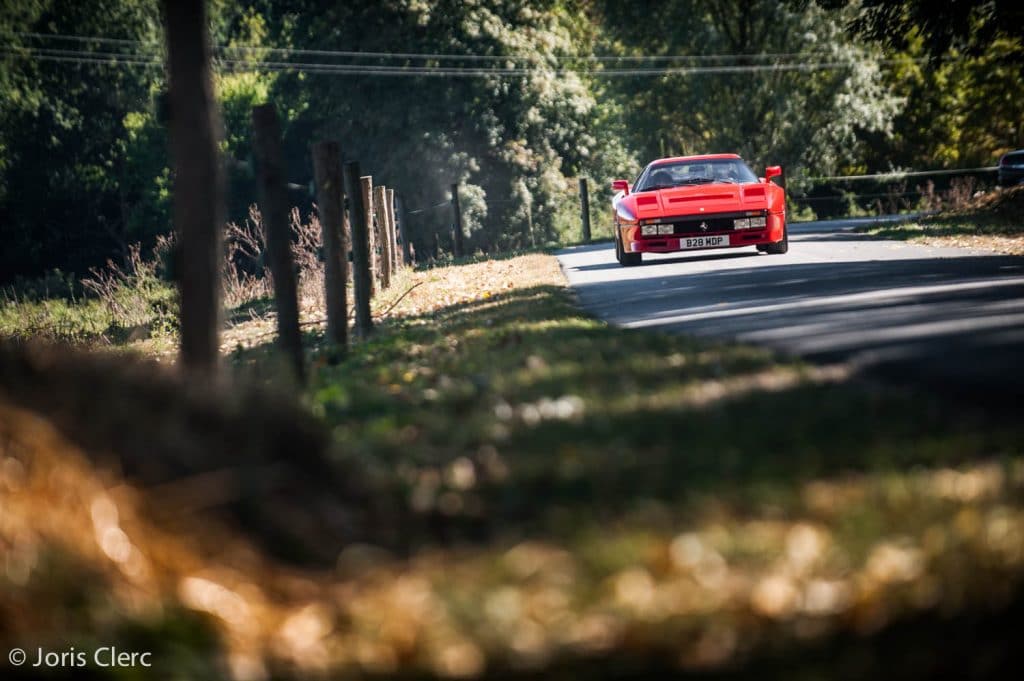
x,y
962,112
808,121
963,25
73,179
84,169
512,142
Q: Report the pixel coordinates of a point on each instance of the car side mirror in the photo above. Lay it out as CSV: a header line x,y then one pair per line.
x,y
772,171
620,186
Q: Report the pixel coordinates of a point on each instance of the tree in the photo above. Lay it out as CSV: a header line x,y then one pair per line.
x,y
807,117
503,139
80,154
968,26
963,108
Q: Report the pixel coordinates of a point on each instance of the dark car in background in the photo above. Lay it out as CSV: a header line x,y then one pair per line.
x,y
1011,168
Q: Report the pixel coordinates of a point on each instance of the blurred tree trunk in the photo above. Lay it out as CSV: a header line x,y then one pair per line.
x,y
198,182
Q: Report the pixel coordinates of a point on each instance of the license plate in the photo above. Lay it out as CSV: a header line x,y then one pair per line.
x,y
704,241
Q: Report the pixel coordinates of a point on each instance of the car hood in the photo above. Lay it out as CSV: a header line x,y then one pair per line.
x,y
696,199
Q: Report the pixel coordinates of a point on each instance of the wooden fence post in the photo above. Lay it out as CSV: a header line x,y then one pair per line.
x,y
456,222
361,278
330,200
403,230
529,222
389,209
585,208
379,196
371,240
198,183
274,208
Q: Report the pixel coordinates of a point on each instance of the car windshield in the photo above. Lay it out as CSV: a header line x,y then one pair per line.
x,y
707,171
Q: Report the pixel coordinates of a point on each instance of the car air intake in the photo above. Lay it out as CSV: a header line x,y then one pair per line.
x,y
699,197
702,225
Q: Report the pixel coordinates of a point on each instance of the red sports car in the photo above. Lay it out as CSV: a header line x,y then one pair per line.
x,y
697,202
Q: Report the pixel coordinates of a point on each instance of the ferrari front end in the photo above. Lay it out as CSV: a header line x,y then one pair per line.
x,y
698,202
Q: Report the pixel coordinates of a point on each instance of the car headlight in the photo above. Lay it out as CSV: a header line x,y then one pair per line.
x,y
757,222
665,229
649,230
742,223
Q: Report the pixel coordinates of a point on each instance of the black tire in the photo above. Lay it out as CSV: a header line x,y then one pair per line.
x,y
631,259
780,247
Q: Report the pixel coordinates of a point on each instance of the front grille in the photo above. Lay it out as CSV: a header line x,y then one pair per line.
x,y
689,225
692,224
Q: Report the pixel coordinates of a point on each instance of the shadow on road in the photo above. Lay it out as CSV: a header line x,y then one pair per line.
x,y
667,261
955,323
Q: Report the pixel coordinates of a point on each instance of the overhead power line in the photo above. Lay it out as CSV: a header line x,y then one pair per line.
x,y
86,58
328,68
350,54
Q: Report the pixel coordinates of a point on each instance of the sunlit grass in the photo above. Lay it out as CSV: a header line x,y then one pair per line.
x,y
56,319
993,222
548,494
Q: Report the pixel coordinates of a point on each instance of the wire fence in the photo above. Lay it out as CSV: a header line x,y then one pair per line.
x,y
838,195
901,174
417,211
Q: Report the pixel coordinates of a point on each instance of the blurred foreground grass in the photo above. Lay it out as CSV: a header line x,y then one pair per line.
x,y
497,485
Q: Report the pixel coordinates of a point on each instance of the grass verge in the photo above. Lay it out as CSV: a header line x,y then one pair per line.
x,y
553,496
993,222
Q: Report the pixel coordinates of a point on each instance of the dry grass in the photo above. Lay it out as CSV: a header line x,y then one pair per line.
x,y
1008,245
708,594
993,221
133,304
448,286
412,293
509,488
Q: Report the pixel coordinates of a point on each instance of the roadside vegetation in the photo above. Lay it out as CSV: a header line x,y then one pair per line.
x,y
491,483
84,171
992,221
496,483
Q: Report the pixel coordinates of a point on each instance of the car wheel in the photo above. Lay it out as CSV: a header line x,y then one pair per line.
x,y
631,259
625,259
780,247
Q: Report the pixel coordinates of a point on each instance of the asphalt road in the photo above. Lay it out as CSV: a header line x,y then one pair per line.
x,y
949,318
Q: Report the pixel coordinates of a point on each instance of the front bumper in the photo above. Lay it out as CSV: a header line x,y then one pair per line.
x,y
634,242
